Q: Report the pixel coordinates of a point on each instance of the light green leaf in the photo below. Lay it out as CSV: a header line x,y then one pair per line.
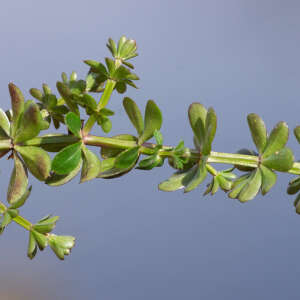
x,y
277,139
134,114
258,131
4,125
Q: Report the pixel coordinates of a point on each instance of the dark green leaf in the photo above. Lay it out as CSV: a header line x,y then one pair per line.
x,y
210,131
91,165
294,186
152,122
277,139
32,246
127,158
57,180
197,116
74,123
67,159
268,179
281,160
252,187
196,176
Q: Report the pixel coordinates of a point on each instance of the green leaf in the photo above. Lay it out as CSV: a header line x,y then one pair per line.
x,y
36,93
17,104
74,123
112,152
268,179
197,116
281,160
128,48
66,93
20,202
158,137
252,186
112,47
196,176
37,160
29,124
41,239
4,125
32,246
53,145
297,133
67,159
61,245
57,180
108,169
18,181
277,139
91,165
174,183
258,131
152,122
294,186
127,158
121,43
210,131
225,183
238,185
134,115
297,204
46,225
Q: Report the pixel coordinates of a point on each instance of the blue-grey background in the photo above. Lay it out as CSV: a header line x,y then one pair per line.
x,y
134,242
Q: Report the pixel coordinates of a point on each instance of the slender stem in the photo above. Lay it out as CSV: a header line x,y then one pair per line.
x,y
109,87
148,149
18,219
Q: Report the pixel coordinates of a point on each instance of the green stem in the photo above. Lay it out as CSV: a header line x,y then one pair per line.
x,y
148,149
18,219
109,87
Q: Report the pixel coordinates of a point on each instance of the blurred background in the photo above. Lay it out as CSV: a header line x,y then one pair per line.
x,y
133,241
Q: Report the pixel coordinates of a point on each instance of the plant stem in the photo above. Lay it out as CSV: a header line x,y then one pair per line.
x,y
18,219
109,87
148,149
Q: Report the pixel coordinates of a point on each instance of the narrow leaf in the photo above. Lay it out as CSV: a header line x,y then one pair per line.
x,y
127,158
197,116
17,104
195,177
91,165
268,179
4,125
277,139
134,115
18,181
210,131
152,122
258,131
252,187
74,123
